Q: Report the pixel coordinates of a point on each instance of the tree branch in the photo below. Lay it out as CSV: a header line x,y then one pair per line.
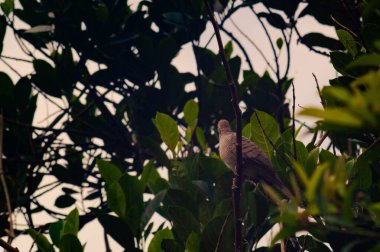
x,y
235,103
7,247
11,234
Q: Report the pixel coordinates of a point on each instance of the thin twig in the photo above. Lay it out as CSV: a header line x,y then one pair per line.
x,y
16,59
230,34
294,122
222,231
344,27
319,90
253,44
7,247
11,234
321,139
270,42
235,103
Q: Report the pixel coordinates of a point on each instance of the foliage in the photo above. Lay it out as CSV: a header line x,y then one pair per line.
x,y
152,151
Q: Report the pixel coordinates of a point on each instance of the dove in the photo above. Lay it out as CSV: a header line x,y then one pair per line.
x,y
256,164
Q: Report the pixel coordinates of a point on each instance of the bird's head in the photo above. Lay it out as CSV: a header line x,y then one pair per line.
x,y
224,126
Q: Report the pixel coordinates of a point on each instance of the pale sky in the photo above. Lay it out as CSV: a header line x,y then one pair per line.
x,y
303,64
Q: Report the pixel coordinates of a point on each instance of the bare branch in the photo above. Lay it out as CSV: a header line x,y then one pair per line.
x,y
11,234
235,103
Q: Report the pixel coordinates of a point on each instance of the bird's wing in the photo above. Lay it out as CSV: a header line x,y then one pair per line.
x,y
257,165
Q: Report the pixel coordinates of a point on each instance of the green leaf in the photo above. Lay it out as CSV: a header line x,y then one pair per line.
x,y
155,244
70,243
279,43
228,49
151,178
151,208
340,61
334,116
7,6
190,112
154,147
274,20
71,224
113,225
116,199
301,173
213,167
109,171
314,183
7,95
168,130
55,232
312,160
268,128
347,41
211,235
101,13
133,192
193,242
365,61
45,78
201,138
317,39
183,221
64,201
42,242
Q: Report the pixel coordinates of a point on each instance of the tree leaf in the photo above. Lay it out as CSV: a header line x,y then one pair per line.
x,y
64,201
45,78
340,61
109,171
335,116
228,49
201,138
348,42
55,232
70,243
71,224
211,235
190,112
116,199
365,61
312,161
317,39
193,242
3,29
168,130
279,43
268,129
42,242
274,20
151,178
7,6
118,230
155,244
151,208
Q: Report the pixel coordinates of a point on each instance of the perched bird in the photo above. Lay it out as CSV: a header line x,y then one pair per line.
x,y
256,167
256,164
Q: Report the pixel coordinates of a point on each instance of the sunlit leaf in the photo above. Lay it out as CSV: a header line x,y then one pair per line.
x,y
168,130
42,242
155,244
348,41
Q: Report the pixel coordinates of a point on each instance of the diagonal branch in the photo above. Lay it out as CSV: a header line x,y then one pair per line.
x,y
236,188
7,247
11,234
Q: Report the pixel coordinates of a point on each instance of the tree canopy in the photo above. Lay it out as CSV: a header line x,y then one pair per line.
x,y
131,139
